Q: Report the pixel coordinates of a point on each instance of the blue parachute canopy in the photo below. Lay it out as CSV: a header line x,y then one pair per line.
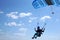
x,y
42,3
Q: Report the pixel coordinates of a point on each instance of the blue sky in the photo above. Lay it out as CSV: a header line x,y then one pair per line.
x,y
18,18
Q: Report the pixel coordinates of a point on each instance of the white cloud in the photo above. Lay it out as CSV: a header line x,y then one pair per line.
x,y
13,24
13,15
32,19
19,34
45,18
25,14
22,32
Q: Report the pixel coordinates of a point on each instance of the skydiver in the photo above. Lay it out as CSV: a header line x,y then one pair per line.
x,y
38,32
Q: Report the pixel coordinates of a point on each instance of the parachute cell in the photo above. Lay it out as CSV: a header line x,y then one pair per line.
x,y
49,2
38,4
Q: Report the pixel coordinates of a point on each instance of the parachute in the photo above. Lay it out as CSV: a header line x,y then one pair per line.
x,y
42,3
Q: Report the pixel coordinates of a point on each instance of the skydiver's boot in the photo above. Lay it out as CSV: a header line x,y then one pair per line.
x,y
32,37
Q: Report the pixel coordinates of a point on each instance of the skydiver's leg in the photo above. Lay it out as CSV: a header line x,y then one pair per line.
x,y
35,36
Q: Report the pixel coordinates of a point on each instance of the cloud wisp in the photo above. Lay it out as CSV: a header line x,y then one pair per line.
x,y
32,19
13,15
13,24
22,32
16,15
25,14
44,18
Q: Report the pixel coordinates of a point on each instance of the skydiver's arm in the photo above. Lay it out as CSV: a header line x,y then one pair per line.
x,y
43,29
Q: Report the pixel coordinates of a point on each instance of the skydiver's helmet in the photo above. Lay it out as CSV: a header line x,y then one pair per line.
x,y
38,27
